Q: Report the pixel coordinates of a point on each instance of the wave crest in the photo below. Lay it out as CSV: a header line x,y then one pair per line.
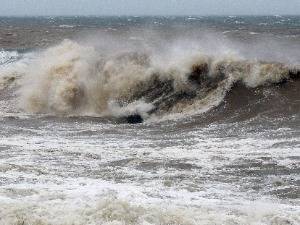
x,y
75,79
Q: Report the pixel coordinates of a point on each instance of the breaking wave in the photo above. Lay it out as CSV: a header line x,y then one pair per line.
x,y
75,79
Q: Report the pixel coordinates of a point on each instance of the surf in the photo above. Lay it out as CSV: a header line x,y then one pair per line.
x,y
72,79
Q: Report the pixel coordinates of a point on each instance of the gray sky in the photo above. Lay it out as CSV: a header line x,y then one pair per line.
x,y
148,7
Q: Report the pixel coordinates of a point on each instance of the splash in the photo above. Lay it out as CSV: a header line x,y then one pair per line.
x,y
77,79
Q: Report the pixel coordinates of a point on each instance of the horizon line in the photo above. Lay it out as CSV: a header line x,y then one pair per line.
x,y
143,15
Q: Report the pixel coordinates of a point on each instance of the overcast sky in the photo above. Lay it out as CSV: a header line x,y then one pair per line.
x,y
148,7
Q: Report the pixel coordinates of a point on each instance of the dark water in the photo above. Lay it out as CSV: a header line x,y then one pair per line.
x,y
220,141
28,32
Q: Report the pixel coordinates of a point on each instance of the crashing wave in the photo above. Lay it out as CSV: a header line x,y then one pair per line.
x,y
73,79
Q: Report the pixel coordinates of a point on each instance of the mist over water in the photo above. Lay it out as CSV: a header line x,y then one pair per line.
x,y
218,98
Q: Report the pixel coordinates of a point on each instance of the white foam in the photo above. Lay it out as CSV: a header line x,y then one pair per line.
x,y
66,26
8,56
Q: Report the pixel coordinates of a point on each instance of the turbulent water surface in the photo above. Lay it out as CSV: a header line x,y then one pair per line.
x,y
150,120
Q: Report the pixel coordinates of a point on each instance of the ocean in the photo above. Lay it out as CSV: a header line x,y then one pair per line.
x,y
150,120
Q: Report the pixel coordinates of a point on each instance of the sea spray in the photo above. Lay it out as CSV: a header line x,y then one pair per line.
x,y
74,79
